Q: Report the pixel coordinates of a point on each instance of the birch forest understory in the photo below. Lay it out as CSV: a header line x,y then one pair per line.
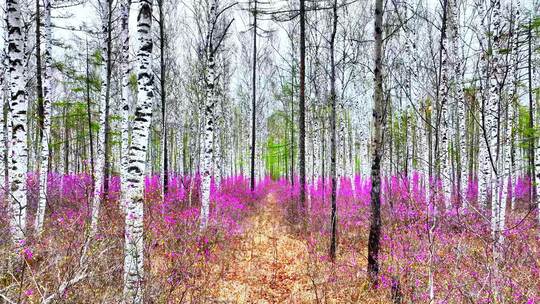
x,y
270,151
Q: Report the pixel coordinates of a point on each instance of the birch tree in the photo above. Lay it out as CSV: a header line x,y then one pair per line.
x,y
100,178
163,39
484,155
18,103
126,93
216,33
459,96
46,132
302,106
333,173
443,94
377,146
209,118
495,79
134,185
4,102
254,98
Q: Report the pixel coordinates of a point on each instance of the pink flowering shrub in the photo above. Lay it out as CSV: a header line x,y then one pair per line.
x,y
461,237
179,253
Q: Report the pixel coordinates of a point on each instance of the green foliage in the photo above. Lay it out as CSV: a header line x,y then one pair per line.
x,y
535,23
60,66
276,157
504,51
524,131
133,82
278,146
97,57
357,163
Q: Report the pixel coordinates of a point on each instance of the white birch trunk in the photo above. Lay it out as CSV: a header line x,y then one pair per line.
x,y
134,184
18,110
459,98
512,110
497,205
47,100
340,161
483,153
218,157
4,79
126,96
424,149
316,146
99,173
207,164
444,157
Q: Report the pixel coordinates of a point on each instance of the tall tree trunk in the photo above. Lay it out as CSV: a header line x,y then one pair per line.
x,y
4,104
254,96
126,95
209,123
46,131
377,144
455,60
101,179
89,119
162,49
532,141
513,105
495,78
302,106
39,79
292,114
66,138
443,94
18,112
534,148
134,198
509,108
333,217
484,155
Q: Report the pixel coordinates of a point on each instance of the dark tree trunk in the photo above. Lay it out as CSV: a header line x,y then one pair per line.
x,y
106,149
254,97
302,106
39,81
66,139
292,121
532,163
378,124
333,217
163,44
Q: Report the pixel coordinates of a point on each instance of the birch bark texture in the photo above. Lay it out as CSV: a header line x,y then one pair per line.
x,y
483,152
99,178
377,146
134,186
126,94
208,121
333,173
4,79
459,97
47,100
444,90
498,208
18,103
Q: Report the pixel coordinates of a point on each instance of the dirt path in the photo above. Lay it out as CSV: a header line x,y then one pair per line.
x,y
271,265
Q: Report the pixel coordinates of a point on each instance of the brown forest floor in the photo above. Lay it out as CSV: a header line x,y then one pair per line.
x,y
271,264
